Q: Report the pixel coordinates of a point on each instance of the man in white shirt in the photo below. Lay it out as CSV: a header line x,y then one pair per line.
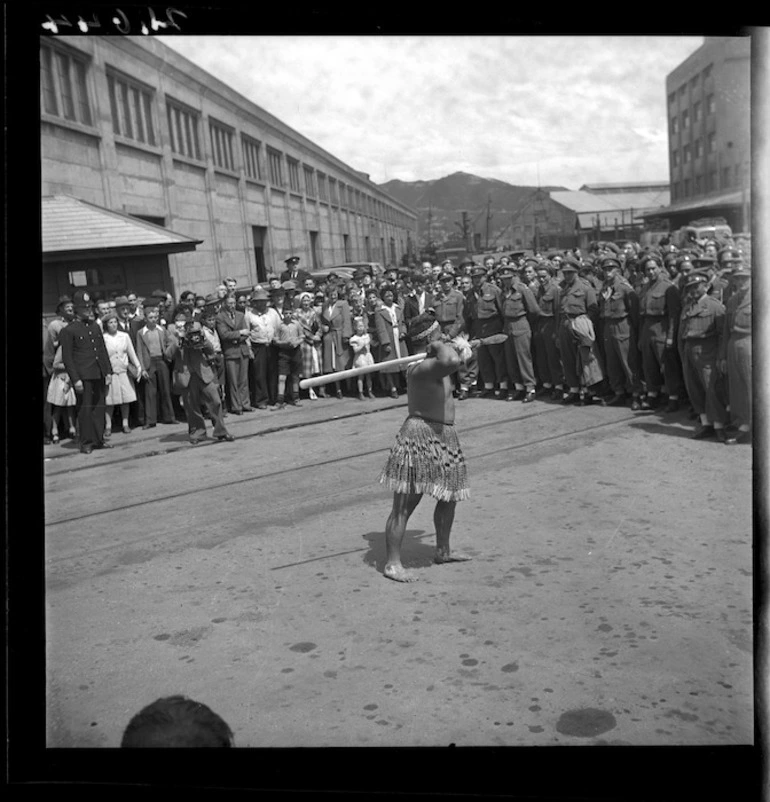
x,y
263,323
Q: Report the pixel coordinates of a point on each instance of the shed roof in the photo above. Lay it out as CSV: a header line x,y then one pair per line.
x,y
588,202
74,227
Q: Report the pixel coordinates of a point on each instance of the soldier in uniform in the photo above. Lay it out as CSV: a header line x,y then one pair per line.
x,y
660,309
86,360
735,354
448,306
577,299
484,317
702,324
546,337
619,313
520,310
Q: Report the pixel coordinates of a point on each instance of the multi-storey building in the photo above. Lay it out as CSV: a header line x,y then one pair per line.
x,y
708,104
133,129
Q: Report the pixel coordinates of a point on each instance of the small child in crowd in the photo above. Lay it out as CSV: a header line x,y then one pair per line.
x,y
361,343
289,338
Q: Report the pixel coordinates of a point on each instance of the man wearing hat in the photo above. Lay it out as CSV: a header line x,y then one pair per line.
x,y
263,323
448,306
619,315
290,294
660,310
484,317
701,329
234,336
152,341
578,300
293,272
85,359
520,311
735,354
416,301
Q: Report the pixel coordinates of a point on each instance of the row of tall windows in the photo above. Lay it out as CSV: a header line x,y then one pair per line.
x,y
64,93
730,177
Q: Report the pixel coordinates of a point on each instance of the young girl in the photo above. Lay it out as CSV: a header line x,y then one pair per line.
x,y
361,343
61,396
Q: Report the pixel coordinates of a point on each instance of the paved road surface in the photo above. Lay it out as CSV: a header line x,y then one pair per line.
x,y
608,602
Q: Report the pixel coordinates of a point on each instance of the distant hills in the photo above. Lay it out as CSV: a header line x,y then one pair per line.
x,y
439,205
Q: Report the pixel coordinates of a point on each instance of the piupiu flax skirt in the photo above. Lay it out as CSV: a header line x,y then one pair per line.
x,y
426,458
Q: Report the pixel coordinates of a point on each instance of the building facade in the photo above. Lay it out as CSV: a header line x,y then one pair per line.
x,y
130,125
708,104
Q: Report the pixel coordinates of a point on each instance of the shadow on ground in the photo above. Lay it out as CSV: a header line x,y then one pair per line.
x,y
660,428
414,553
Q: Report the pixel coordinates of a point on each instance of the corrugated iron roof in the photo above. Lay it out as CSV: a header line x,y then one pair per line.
x,y
638,184
72,225
581,202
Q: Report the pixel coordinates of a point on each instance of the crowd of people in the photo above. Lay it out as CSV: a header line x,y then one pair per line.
x,y
662,328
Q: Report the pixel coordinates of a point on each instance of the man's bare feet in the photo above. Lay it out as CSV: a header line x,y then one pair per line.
x,y
451,557
399,573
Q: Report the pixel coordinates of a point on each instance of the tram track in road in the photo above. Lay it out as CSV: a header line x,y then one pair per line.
x,y
342,459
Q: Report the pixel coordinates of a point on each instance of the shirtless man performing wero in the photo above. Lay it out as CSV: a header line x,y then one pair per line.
x,y
426,456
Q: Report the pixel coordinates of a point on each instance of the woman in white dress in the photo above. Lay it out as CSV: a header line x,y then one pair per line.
x,y
120,391
61,396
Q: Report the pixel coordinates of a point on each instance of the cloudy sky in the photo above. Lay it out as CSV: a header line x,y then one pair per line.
x,y
576,109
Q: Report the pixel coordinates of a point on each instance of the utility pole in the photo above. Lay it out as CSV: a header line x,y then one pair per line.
x,y
489,216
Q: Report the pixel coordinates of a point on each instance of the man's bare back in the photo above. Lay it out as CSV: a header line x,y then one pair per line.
x,y
429,386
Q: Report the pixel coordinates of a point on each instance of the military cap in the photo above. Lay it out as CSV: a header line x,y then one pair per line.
x,y
478,270
63,299
742,271
650,257
159,294
570,265
610,261
506,270
729,255
696,277
446,262
290,259
704,261
122,300
260,294
288,286
611,246
82,299
468,263
445,275
531,259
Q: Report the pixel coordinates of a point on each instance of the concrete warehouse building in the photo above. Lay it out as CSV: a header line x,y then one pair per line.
x,y
157,175
709,134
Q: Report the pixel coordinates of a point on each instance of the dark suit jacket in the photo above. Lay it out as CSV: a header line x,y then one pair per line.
x,y
233,345
301,276
83,351
193,360
411,306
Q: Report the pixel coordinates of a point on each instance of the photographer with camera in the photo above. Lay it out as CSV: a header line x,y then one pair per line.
x,y
195,377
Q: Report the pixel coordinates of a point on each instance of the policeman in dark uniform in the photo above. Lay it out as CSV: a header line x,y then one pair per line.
x,y
484,317
292,272
577,298
520,311
660,308
88,365
619,313
702,325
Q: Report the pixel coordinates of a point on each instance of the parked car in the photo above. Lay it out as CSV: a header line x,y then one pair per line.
x,y
345,273
347,270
